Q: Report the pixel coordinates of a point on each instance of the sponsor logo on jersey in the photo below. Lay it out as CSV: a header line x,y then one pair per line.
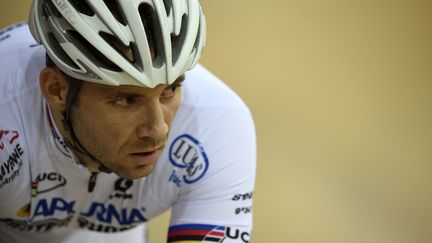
x,y
243,210
110,214
243,198
24,211
57,212
11,167
54,206
103,213
46,182
187,154
36,226
121,187
8,137
206,233
108,219
86,224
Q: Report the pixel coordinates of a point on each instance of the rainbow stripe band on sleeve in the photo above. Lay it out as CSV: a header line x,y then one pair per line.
x,y
189,233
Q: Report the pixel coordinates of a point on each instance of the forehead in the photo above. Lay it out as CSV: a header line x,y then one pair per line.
x,y
101,90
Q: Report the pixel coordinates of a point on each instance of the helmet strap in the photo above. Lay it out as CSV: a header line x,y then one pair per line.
x,y
74,87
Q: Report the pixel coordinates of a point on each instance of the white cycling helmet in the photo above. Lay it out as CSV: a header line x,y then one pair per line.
x,y
120,42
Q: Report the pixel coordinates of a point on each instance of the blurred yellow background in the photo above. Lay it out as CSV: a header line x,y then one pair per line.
x,y
341,92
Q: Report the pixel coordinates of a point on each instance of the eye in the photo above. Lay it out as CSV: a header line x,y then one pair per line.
x,y
125,101
171,90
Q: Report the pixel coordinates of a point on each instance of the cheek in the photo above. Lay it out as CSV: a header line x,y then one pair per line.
x,y
103,125
114,133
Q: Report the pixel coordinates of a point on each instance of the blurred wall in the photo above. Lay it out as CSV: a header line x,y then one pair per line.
x,y
341,92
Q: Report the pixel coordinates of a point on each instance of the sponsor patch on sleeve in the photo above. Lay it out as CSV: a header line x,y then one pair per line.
x,y
189,158
11,163
206,233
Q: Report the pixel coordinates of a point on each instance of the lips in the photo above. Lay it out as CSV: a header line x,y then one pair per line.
x,y
147,157
143,153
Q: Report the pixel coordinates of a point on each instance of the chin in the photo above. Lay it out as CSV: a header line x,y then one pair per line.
x,y
134,173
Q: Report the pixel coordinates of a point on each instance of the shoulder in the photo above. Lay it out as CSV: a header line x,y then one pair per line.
x,y
210,110
213,133
208,103
212,150
22,59
12,34
203,89
20,65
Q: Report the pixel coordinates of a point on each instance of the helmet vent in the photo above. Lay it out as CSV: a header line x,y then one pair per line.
x,y
125,51
168,6
82,7
49,9
178,41
153,32
198,37
115,10
59,52
92,53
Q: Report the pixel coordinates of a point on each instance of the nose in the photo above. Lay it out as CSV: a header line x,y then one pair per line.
x,y
153,124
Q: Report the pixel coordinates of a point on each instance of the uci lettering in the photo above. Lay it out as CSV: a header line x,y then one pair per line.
x,y
55,180
244,236
53,176
108,213
45,208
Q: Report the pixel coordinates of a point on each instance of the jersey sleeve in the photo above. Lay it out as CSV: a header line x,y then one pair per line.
x,y
220,164
12,162
14,172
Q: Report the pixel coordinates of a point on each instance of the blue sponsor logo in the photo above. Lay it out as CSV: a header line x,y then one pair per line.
x,y
47,208
103,213
109,213
188,154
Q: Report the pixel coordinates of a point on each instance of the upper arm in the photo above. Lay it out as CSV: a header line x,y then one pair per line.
x,y
13,153
12,161
218,204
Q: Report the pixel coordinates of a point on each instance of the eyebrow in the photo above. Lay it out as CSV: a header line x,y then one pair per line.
x,y
133,94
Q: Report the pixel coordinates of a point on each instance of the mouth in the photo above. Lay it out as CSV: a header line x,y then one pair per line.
x,y
146,157
143,153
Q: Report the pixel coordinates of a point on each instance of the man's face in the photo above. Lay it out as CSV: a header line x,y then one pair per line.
x,y
125,127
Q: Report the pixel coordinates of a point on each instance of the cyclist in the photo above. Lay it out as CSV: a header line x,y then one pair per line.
x,y
107,120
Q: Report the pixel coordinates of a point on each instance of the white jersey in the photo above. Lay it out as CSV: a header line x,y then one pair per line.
x,y
205,174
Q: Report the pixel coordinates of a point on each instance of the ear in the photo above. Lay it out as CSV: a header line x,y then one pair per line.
x,y
54,87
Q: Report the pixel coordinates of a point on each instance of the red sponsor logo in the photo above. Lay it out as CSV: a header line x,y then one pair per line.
x,y
7,137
